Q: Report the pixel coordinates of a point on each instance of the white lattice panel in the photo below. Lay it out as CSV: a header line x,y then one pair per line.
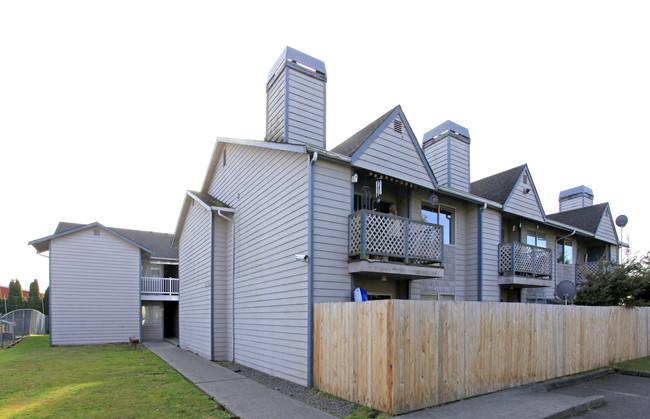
x,y
385,235
425,241
355,233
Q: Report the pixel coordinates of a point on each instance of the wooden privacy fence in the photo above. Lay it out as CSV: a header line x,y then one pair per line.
x,y
399,355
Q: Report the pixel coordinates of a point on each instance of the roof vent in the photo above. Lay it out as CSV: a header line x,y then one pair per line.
x,y
397,126
96,232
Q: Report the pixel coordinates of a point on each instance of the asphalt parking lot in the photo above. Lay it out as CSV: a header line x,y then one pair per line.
x,y
626,396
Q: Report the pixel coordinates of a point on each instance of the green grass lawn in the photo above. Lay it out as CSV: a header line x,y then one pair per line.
x,y
116,381
640,364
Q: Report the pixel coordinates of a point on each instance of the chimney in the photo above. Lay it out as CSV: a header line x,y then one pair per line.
x,y
295,100
574,198
446,147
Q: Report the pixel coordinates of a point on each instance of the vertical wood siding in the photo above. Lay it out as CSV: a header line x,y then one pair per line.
x,y
275,109
95,289
332,189
524,204
269,191
306,118
491,239
395,155
195,281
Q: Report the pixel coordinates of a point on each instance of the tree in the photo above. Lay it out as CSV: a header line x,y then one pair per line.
x,y
15,296
46,302
625,285
34,298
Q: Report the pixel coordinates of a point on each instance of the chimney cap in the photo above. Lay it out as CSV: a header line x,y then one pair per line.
x,y
304,60
577,191
447,126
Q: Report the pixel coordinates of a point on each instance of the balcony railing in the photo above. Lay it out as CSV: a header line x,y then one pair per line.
x,y
163,286
410,241
584,269
519,259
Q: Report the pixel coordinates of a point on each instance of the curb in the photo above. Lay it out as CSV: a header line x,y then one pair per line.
x,y
591,403
632,372
563,382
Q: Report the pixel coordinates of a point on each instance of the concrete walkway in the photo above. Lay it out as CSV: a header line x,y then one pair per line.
x,y
239,395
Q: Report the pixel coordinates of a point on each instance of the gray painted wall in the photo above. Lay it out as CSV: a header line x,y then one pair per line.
x,y
306,109
449,160
332,191
104,270
394,154
222,294
471,254
269,191
275,108
524,204
606,231
491,239
194,281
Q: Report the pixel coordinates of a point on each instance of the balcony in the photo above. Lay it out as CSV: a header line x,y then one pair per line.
x,y
395,247
159,289
584,269
522,265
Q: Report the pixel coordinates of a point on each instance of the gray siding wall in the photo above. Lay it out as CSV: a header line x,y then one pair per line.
x,y
491,239
436,154
394,154
153,331
332,191
606,230
222,294
195,281
449,160
104,270
269,191
459,165
275,109
523,204
306,109
471,254
575,203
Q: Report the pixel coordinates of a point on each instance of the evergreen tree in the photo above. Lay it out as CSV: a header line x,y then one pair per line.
x,y
34,298
15,297
626,285
46,302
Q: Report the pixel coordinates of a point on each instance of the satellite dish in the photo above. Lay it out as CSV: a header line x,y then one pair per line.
x,y
621,221
566,290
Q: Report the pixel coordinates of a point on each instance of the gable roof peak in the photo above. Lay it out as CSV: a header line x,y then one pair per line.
x,y
352,144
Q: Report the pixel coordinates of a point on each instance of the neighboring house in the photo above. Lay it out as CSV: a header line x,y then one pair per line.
x,y
284,223
4,293
109,284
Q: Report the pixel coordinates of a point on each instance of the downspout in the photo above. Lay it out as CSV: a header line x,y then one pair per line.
x,y
211,286
310,273
479,284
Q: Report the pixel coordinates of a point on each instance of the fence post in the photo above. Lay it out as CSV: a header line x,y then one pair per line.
x,y
406,241
363,235
512,257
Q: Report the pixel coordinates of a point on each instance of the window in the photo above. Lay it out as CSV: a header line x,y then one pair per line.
x,y
438,297
151,314
441,216
536,238
565,252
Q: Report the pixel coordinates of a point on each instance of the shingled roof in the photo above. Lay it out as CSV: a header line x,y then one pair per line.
x,y
587,218
159,243
497,187
352,144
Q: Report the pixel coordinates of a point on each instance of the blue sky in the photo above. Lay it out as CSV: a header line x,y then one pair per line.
x,y
109,110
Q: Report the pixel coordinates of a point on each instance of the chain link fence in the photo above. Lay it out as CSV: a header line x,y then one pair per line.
x,y
21,323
